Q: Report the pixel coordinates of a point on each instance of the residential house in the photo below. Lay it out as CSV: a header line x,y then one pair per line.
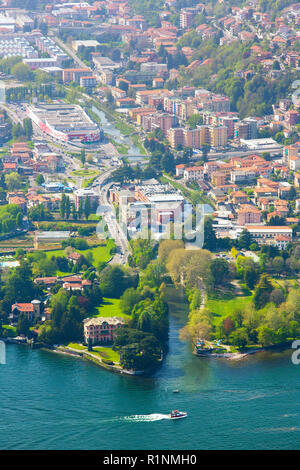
x,y
101,329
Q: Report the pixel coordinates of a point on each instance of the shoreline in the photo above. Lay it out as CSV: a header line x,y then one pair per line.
x,y
242,355
86,355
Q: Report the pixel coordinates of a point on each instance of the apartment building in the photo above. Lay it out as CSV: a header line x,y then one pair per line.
x,y
218,136
187,16
176,137
193,173
249,214
74,75
243,175
218,178
86,193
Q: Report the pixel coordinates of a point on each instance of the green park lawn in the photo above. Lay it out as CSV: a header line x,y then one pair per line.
x,y
110,308
100,254
106,353
223,307
77,346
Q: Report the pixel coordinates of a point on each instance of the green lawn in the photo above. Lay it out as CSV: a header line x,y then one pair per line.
x,y
77,346
85,173
106,353
111,308
100,254
11,330
222,307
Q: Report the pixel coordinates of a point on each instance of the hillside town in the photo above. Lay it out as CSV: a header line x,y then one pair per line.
x,y
110,109
149,224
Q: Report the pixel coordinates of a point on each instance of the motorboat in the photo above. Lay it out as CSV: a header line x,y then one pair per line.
x,y
175,414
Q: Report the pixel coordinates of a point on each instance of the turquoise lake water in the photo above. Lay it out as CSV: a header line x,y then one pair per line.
x,y
49,401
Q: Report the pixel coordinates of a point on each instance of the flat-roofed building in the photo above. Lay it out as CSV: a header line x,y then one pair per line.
x,y
65,122
265,235
83,193
218,136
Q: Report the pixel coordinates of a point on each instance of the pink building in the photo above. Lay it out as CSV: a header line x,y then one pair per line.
x,y
101,329
249,215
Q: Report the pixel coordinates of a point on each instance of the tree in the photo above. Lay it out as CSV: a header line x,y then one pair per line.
x,y
219,269
278,264
166,246
228,325
74,212
115,280
17,131
19,220
245,240
13,181
40,179
250,276
195,120
62,206
189,267
276,220
80,209
87,207
128,300
82,156
168,163
266,156
277,297
210,239
23,325
68,207
153,274
22,72
262,292
141,355
239,338
266,336
292,194
27,126
142,252
205,151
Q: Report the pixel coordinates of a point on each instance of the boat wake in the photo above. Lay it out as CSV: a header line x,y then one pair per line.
x,y
144,418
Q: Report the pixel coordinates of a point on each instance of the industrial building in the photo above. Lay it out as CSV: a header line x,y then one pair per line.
x,y
65,122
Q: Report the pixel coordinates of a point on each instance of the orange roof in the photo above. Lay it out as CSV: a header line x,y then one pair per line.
x,y
23,307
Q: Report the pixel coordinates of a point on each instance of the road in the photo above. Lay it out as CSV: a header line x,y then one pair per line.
x,y
12,114
71,53
107,211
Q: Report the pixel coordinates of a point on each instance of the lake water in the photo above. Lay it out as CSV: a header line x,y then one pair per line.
x,y
49,401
